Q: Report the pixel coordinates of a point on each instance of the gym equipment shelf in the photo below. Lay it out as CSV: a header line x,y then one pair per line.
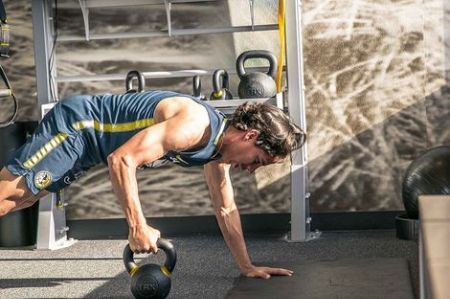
x,y
52,230
228,106
86,5
148,75
169,32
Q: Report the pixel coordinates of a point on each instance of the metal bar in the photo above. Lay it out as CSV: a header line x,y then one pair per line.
x,y
251,3
117,77
229,106
190,1
85,12
168,7
446,10
43,44
51,232
174,32
300,220
85,5
150,75
237,102
422,284
121,3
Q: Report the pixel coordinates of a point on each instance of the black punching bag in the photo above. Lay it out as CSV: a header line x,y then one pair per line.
x,y
429,174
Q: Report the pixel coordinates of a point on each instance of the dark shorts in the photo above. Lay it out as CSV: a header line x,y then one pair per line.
x,y
50,159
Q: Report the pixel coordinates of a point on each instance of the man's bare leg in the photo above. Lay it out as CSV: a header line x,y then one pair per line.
x,y
14,193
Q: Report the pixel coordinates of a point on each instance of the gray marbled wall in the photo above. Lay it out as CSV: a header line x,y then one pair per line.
x,y
375,88
374,74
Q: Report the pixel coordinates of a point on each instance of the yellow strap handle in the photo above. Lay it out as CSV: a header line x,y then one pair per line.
x,y
282,33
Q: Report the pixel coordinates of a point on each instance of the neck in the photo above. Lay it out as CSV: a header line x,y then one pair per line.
x,y
229,138
219,146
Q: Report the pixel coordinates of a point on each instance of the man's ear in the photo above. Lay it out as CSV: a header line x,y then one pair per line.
x,y
251,134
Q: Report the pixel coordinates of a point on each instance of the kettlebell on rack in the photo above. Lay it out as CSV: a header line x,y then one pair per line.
x,y
151,280
197,88
221,90
129,81
256,84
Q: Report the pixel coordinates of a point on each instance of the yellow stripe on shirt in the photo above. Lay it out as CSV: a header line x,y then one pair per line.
x,y
111,128
45,150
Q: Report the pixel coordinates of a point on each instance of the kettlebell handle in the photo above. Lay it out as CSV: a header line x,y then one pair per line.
x,y
165,245
256,54
220,75
129,80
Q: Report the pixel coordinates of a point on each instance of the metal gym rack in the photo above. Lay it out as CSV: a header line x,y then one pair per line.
x,y
52,229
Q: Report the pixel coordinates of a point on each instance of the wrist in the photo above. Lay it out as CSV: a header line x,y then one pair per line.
x,y
136,226
247,267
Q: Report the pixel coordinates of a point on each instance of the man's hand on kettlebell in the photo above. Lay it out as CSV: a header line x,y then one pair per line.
x,y
143,239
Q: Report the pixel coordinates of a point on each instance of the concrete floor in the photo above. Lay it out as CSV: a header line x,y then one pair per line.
x,y
205,268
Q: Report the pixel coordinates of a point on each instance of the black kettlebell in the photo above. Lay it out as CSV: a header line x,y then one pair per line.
x,y
256,84
129,81
221,90
197,88
151,280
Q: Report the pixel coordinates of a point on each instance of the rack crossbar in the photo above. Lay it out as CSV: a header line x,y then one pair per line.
x,y
150,75
165,33
121,3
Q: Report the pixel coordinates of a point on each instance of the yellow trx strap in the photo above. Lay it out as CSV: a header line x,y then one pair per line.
x,y
282,33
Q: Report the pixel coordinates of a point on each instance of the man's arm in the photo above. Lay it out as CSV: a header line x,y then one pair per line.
x,y
221,191
150,144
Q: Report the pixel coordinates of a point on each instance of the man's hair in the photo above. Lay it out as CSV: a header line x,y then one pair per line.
x,y
278,134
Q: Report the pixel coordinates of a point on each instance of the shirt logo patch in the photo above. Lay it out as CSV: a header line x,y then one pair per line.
x,y
69,179
42,179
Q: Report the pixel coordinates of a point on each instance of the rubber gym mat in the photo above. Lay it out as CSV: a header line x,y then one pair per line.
x,y
347,278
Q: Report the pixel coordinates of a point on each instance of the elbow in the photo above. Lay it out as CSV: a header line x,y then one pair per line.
x,y
113,160
118,160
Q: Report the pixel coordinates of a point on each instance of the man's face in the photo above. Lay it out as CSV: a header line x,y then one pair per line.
x,y
246,155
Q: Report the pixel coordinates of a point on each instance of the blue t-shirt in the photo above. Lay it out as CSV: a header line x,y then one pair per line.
x,y
108,121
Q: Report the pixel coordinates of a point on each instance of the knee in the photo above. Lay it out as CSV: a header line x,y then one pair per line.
x,y
3,209
7,205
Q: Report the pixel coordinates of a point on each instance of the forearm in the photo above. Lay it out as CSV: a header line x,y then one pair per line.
x,y
227,214
231,228
123,178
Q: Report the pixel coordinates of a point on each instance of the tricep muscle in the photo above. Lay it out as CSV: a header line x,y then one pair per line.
x,y
150,144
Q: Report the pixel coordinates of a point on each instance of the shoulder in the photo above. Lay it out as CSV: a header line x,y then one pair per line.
x,y
186,122
183,108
